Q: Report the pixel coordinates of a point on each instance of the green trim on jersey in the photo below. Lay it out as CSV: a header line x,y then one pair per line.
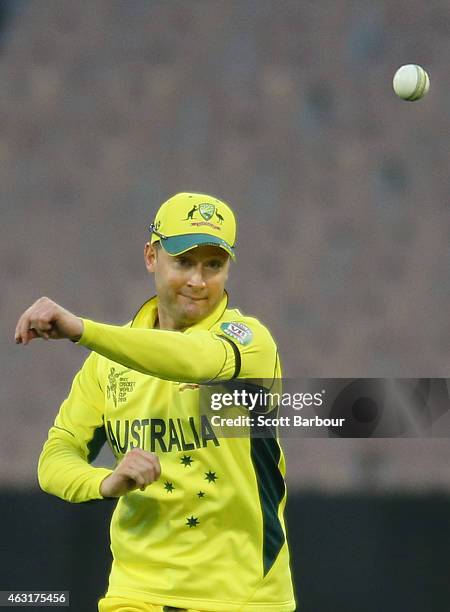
x,y
96,443
265,453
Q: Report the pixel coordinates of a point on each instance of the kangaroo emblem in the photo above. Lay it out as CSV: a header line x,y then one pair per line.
x,y
191,212
219,216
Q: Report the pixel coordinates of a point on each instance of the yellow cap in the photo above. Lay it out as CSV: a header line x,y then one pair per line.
x,y
187,220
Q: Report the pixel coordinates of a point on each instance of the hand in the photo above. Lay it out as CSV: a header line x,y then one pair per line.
x,y
137,470
48,320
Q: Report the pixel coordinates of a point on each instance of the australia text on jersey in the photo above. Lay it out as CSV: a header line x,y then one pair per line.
x,y
160,434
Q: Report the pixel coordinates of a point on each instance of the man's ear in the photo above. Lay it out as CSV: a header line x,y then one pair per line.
x,y
150,256
228,268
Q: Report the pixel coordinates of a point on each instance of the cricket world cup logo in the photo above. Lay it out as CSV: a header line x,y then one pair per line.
x,y
118,386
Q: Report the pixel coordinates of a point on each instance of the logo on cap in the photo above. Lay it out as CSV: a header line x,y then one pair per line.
x,y
206,210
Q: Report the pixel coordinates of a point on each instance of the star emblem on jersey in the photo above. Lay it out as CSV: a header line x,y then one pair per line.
x,y
186,460
206,210
192,522
210,476
201,494
169,487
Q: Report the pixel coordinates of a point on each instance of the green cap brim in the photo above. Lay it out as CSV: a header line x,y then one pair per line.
x,y
175,245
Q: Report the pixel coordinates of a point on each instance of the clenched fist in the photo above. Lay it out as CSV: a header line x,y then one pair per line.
x,y
48,320
137,470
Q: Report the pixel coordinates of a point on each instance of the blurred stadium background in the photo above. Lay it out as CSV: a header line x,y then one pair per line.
x,y
285,109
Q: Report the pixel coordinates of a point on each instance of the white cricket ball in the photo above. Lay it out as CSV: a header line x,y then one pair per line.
x,y
411,82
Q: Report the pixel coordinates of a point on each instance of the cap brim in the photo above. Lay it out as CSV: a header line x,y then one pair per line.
x,y
176,245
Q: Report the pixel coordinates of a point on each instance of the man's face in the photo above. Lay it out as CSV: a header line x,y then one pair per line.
x,y
189,286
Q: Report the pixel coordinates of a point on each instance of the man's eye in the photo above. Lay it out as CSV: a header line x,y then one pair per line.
x,y
183,261
216,264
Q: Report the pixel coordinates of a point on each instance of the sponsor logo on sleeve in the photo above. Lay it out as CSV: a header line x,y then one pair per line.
x,y
238,331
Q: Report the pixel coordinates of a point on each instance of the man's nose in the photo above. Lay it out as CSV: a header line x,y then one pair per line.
x,y
196,278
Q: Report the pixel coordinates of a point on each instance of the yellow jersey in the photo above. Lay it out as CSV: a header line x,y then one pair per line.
x,y
210,533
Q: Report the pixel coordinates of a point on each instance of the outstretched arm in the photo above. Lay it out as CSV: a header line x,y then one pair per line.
x,y
196,357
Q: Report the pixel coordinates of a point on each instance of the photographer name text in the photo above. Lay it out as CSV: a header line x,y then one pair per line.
x,y
284,421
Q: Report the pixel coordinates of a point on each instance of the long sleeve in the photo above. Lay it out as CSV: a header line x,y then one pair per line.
x,y
74,441
196,356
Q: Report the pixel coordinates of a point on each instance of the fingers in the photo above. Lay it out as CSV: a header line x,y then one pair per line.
x,y
30,334
137,470
140,467
35,322
48,320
